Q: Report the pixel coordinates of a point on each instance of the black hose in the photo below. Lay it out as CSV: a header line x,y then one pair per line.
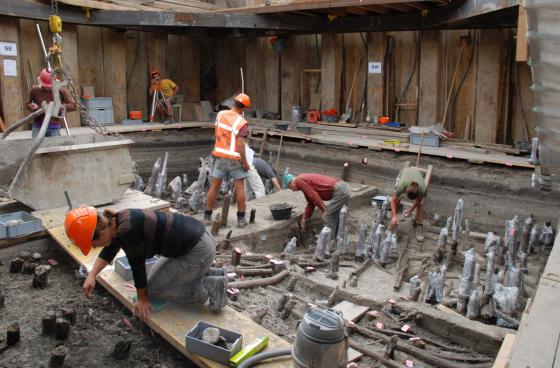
x,y
265,355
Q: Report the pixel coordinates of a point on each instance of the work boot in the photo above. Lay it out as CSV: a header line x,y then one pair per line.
x,y
217,292
216,272
419,233
241,222
207,219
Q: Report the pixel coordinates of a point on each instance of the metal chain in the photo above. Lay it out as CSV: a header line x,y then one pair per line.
x,y
84,112
54,7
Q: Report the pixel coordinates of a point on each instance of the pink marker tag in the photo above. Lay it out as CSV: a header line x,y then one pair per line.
x,y
379,325
397,149
405,328
509,163
311,305
449,155
414,338
392,301
409,363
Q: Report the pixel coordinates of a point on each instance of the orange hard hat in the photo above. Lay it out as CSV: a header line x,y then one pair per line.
x,y
45,78
243,99
80,224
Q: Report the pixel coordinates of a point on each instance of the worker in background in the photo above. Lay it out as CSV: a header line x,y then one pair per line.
x,y
266,171
229,150
169,89
318,188
43,92
253,180
182,275
411,181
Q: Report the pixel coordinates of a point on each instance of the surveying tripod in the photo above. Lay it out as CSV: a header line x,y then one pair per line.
x,y
157,98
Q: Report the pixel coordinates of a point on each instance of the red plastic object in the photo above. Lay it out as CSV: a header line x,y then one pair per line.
x,y
383,119
134,115
330,112
313,116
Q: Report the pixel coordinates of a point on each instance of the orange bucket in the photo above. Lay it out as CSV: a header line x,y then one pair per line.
x,y
135,115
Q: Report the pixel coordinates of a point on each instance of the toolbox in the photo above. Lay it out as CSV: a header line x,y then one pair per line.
x,y
18,224
196,345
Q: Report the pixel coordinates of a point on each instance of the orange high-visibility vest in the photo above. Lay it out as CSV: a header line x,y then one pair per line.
x,y
228,124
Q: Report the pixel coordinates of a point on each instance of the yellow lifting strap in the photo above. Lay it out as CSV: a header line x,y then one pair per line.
x,y
55,23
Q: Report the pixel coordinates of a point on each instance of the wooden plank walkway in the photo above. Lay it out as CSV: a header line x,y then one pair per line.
x,y
172,322
537,341
375,139
370,138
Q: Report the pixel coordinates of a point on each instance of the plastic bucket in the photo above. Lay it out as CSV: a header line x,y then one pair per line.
x,y
281,211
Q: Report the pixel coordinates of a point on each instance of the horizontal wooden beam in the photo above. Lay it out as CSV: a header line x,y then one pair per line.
x,y
311,5
236,25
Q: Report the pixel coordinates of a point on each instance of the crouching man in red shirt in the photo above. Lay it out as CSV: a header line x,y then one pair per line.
x,y
318,188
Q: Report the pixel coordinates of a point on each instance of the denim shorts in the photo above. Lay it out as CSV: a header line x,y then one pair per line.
x,y
224,167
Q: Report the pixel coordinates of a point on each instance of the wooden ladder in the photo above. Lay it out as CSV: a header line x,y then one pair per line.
x,y
254,137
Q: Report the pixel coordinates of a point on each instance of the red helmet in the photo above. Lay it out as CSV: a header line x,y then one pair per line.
x,y
243,99
79,225
45,78
154,73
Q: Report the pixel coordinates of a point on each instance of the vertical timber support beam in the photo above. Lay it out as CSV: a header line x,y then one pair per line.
x,y
331,71
70,61
138,76
522,49
12,99
376,54
157,53
114,71
90,59
491,59
430,69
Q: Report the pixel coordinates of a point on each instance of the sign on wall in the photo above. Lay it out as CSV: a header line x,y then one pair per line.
x,y
374,67
10,68
8,49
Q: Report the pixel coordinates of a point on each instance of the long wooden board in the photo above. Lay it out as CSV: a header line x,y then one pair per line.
x,y
173,322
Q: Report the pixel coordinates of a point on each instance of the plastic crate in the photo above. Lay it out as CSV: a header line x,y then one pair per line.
x,y
196,345
103,116
122,267
429,140
18,224
98,103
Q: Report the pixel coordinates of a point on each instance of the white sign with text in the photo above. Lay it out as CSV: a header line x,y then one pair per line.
x,y
8,49
374,67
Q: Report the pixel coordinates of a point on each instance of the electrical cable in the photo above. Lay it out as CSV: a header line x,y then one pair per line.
x,y
417,44
460,85
265,355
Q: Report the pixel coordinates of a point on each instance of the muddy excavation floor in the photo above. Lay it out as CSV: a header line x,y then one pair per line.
x,y
101,322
